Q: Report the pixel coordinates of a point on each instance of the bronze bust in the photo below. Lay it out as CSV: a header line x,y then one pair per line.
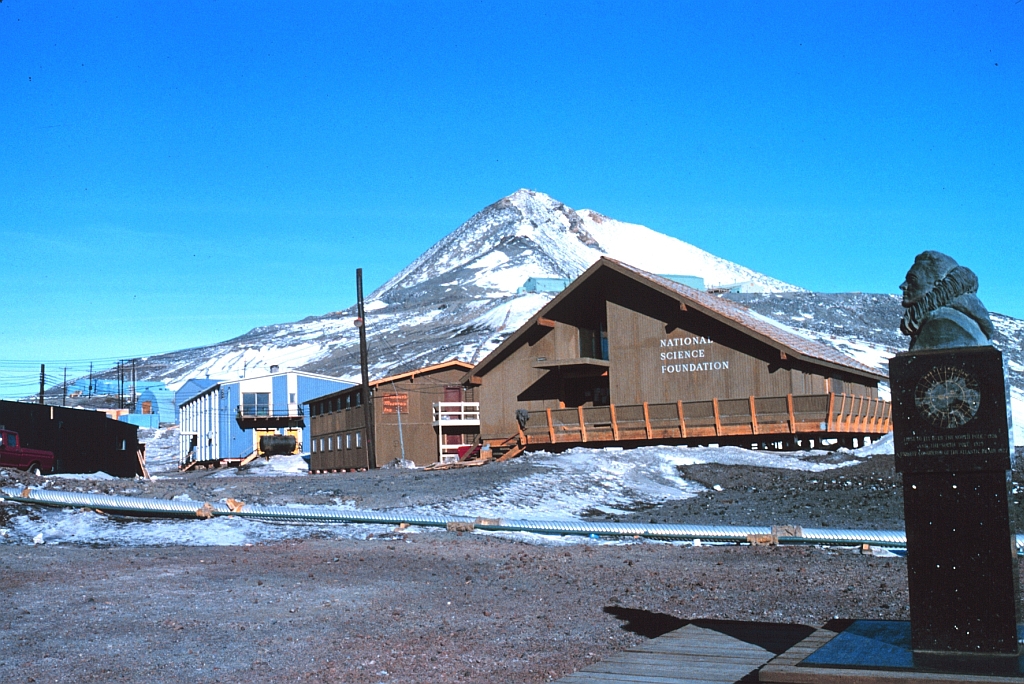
x,y
942,309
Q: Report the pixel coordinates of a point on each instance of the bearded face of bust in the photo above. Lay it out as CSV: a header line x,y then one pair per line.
x,y
920,280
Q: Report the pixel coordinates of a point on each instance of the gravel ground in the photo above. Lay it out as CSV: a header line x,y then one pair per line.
x,y
864,496
430,606
425,608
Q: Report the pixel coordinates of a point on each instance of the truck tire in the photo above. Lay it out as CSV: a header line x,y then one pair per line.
x,y
35,470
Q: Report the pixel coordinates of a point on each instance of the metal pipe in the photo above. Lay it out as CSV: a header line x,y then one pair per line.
x,y
194,509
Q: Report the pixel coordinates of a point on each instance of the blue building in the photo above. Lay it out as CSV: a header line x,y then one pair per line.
x,y
154,404
190,389
226,420
544,285
558,284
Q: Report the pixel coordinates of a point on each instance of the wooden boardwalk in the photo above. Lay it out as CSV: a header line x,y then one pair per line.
x,y
696,654
689,655
785,670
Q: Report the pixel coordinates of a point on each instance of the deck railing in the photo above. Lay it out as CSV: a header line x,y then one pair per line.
x,y
457,412
818,414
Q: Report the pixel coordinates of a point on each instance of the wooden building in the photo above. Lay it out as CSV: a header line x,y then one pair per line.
x,y
624,356
425,414
82,440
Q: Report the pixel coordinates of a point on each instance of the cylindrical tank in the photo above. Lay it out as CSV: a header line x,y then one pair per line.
x,y
272,445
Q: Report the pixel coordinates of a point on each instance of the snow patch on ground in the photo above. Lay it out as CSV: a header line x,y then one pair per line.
x,y
81,476
883,445
276,466
162,447
81,526
573,485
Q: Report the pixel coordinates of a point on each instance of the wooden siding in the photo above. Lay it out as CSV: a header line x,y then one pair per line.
x,y
514,383
659,352
420,437
334,423
418,432
695,358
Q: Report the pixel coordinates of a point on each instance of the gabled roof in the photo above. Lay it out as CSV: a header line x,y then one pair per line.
x,y
722,310
453,364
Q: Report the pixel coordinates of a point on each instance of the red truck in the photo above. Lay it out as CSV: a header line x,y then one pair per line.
x,y
13,455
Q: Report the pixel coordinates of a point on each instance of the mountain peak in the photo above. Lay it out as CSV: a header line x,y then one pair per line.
x,y
530,234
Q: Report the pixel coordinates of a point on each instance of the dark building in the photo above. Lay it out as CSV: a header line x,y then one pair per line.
x,y
82,441
427,412
624,356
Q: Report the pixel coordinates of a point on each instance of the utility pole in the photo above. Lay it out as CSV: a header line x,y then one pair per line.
x,y
120,384
64,401
133,385
90,379
42,381
371,447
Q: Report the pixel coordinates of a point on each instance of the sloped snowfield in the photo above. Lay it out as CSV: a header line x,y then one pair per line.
x,y
571,486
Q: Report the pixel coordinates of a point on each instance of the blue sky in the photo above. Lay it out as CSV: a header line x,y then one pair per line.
x,y
174,174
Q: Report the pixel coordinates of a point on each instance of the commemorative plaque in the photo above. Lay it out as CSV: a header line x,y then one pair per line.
x,y
952,446
951,438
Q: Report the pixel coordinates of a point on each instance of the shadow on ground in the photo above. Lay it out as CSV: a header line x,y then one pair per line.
x,y
771,636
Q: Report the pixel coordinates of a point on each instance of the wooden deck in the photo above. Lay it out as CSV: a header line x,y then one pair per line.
x,y
689,655
785,670
754,419
699,654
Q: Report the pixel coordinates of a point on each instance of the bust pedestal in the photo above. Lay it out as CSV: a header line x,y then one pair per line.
x,y
951,440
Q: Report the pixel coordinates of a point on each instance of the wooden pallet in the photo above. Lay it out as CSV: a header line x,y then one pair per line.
x,y
457,464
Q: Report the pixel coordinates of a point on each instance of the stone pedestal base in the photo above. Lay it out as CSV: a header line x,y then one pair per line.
x,y
961,564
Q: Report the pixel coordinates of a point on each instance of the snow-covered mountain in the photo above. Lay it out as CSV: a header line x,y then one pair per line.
x,y
529,234
459,299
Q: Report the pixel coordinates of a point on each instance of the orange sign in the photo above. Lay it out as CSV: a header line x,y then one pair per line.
x,y
395,403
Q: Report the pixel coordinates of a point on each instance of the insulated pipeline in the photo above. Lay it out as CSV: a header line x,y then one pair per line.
x,y
196,509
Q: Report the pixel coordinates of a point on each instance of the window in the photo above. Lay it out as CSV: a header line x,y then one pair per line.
x,y
255,403
348,401
594,343
359,439
348,440
321,444
312,447
291,398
